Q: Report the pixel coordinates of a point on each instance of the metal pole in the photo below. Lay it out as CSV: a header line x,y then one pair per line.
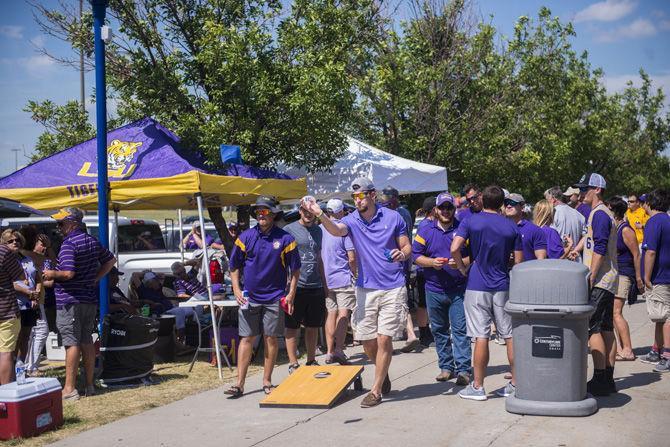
x,y
116,234
99,7
215,326
181,234
82,91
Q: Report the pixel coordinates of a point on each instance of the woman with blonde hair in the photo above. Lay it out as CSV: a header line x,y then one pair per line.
x,y
543,217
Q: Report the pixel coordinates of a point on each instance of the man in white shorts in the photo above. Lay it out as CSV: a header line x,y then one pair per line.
x,y
380,238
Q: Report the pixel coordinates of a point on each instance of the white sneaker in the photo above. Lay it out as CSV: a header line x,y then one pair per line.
x,y
472,393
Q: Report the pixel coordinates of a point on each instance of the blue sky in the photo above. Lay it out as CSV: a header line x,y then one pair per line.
x,y
621,37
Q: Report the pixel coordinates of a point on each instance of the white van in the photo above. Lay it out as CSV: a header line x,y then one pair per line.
x,y
140,242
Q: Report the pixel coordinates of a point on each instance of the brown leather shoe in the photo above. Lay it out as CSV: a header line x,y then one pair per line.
x,y
371,401
444,376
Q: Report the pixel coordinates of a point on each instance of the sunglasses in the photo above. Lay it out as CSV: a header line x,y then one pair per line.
x,y
359,195
446,208
510,203
12,241
472,198
585,188
263,212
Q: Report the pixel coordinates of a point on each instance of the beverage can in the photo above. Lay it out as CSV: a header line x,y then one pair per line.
x,y
146,310
387,255
245,306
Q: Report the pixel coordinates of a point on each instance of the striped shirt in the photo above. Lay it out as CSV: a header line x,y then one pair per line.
x,y
82,254
10,271
189,286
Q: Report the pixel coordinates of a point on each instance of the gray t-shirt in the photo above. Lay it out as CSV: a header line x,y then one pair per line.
x,y
568,221
309,246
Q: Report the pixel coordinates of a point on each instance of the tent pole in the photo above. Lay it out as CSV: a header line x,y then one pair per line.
x,y
181,234
116,234
215,326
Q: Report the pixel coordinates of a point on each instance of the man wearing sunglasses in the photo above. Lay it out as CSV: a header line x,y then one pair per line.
x,y
472,195
599,247
493,238
380,239
445,287
636,216
533,239
265,254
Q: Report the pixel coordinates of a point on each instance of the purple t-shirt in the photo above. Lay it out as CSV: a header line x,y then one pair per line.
x,y
266,260
82,254
371,240
657,238
192,245
463,213
584,210
554,243
335,260
532,238
493,238
433,242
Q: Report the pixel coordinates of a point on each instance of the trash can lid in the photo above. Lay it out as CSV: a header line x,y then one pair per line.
x,y
549,281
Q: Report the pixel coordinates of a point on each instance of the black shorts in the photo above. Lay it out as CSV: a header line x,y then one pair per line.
x,y
309,309
29,317
416,292
603,317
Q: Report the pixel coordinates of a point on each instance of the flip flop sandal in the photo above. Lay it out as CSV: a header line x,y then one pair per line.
x,y
620,358
73,396
234,392
267,389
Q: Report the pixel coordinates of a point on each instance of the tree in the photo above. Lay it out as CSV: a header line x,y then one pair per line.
x,y
235,71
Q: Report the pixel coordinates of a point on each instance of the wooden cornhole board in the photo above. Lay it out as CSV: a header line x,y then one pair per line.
x,y
314,387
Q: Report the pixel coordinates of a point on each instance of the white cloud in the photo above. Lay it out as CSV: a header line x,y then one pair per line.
x,y
606,11
11,31
638,28
38,41
617,83
37,66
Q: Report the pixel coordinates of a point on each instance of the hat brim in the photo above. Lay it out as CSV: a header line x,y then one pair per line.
x,y
61,215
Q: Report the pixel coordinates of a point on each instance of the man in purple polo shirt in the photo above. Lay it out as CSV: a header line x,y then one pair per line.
x,y
382,246
82,262
265,254
473,200
185,285
656,244
445,287
493,238
339,265
533,239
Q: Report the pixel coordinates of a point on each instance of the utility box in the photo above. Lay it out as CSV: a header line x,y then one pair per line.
x,y
550,309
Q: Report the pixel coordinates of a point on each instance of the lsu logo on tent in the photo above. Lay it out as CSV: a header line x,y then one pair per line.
x,y
120,155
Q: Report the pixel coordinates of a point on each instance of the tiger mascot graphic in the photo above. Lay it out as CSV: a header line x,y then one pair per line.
x,y
120,154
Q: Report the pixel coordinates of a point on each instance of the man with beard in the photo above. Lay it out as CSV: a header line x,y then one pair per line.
x,y
380,239
445,288
473,202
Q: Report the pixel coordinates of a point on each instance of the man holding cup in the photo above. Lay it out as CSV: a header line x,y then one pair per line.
x,y
380,239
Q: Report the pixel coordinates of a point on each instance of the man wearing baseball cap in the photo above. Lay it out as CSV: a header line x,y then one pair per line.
x,y
380,238
445,288
599,254
82,262
571,196
266,255
339,265
567,220
533,239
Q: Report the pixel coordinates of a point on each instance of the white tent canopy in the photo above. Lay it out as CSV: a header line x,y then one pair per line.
x,y
363,160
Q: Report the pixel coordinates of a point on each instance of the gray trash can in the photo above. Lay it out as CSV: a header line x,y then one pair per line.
x,y
549,305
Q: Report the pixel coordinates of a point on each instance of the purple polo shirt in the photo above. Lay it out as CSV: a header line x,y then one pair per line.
x,y
82,254
189,286
335,260
191,245
532,238
584,210
433,242
657,238
492,238
554,243
371,239
266,260
463,213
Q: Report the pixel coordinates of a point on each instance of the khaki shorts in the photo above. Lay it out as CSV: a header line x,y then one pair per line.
x,y
658,302
9,334
379,312
484,308
341,298
625,284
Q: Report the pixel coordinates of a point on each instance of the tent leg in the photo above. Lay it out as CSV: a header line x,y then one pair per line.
x,y
116,234
181,234
215,325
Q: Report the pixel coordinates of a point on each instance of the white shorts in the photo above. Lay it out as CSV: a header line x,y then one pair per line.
x,y
484,308
379,312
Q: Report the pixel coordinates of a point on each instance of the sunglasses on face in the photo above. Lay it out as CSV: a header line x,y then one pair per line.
x,y
510,203
263,212
13,241
359,195
471,198
585,188
446,208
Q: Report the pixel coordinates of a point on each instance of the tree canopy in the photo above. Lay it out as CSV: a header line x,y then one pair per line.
x,y
444,87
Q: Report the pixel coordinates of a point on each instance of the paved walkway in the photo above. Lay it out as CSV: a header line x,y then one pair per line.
x,y
418,412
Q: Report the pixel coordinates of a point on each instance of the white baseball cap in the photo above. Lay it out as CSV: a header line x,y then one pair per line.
x,y
335,205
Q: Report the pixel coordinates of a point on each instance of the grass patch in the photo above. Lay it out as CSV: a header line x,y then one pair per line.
x,y
174,382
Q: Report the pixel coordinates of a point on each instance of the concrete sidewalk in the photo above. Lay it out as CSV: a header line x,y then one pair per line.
x,y
418,412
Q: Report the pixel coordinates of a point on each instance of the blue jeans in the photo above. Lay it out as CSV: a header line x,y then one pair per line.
x,y
447,322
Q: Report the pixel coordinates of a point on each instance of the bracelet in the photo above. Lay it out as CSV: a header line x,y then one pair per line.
x,y
320,214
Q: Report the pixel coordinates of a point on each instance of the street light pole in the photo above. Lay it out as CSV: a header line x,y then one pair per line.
x,y
99,7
